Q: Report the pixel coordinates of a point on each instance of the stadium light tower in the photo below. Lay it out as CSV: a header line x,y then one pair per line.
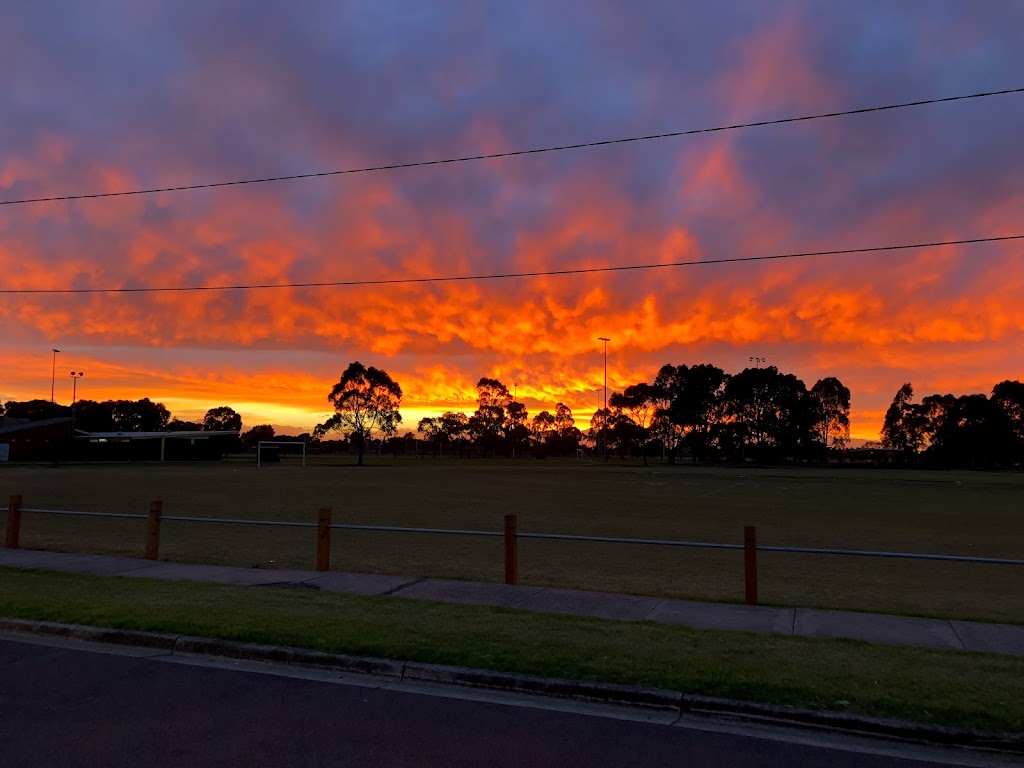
x,y
758,360
75,376
604,419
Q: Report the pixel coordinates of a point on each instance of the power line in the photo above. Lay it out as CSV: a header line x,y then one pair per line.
x,y
510,275
514,153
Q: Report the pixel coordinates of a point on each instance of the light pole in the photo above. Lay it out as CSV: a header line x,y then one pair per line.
x,y
53,372
75,376
757,405
604,418
515,399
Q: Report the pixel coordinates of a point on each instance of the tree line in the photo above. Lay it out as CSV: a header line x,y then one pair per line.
x,y
133,416
697,411
971,431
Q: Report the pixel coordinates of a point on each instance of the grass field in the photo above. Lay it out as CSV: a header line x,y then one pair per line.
x,y
949,513
936,686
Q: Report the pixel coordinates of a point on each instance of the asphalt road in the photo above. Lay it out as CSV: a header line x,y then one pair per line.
x,y
61,706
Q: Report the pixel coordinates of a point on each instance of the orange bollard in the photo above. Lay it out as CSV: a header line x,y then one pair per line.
x,y
13,522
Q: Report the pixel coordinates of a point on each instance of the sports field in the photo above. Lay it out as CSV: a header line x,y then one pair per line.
x,y
949,513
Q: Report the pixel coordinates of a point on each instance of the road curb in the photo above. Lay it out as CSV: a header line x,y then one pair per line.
x,y
652,698
362,665
155,640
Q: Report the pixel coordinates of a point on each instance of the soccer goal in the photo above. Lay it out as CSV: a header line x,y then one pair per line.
x,y
581,456
273,455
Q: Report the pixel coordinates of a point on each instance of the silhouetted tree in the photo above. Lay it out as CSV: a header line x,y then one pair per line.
x,y
833,412
366,402
222,418
488,421
140,416
695,395
35,410
91,416
1009,396
637,401
433,431
517,432
768,413
973,432
177,425
543,429
904,426
258,434
455,428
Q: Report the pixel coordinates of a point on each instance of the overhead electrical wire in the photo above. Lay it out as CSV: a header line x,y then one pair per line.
x,y
514,153
512,275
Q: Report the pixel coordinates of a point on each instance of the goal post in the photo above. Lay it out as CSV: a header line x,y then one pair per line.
x,y
582,457
261,443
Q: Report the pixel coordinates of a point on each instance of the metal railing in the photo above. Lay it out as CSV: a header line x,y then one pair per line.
x,y
511,535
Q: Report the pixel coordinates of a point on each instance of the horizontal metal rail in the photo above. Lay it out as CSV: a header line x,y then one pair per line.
x,y
614,540
396,529
555,536
228,520
84,514
902,555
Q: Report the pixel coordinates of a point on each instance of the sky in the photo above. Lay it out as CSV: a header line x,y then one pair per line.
x,y
110,96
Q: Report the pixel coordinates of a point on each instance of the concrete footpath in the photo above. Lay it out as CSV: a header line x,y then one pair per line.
x,y
804,622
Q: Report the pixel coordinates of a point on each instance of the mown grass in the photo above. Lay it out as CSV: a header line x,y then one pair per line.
x,y
958,513
951,688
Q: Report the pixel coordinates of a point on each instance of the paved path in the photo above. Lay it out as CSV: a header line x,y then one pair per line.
x,y
66,705
806,622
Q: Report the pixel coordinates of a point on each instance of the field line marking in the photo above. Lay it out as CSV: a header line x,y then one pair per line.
x,y
723,488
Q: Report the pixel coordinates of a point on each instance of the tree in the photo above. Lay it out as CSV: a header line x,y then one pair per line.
x,y
177,425
35,410
432,430
487,423
222,419
637,401
366,401
140,416
904,426
91,416
543,428
693,397
832,402
974,432
258,434
516,430
769,413
455,427
1009,397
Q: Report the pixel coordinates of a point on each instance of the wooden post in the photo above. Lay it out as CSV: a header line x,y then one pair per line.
x,y
13,522
750,563
156,509
511,550
323,540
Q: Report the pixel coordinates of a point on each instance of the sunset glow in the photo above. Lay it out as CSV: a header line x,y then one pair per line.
x,y
225,95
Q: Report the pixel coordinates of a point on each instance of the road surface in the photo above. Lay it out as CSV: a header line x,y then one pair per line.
x,y
67,704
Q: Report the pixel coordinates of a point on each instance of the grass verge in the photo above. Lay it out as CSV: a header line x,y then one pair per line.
x,y
951,688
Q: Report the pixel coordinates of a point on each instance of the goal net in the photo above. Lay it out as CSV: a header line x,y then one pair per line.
x,y
271,451
581,456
